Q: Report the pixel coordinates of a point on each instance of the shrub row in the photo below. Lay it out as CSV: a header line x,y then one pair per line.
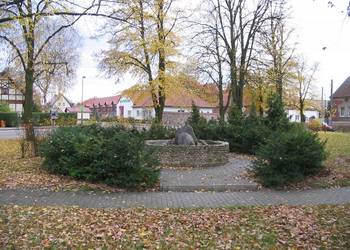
x,y
11,119
286,152
115,156
39,119
64,119
244,138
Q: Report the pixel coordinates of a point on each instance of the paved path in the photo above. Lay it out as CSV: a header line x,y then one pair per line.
x,y
18,133
229,177
173,199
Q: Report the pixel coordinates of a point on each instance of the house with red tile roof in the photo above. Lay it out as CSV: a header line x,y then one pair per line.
x,y
112,106
143,105
341,106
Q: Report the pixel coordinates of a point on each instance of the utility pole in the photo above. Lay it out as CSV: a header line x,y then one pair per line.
x,y
331,106
82,100
322,105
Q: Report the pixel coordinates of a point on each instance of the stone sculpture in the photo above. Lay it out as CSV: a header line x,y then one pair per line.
x,y
185,136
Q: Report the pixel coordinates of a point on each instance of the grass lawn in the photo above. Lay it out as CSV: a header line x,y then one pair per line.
x,y
338,144
338,162
279,227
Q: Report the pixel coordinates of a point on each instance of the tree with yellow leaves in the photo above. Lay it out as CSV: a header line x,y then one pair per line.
x,y
144,46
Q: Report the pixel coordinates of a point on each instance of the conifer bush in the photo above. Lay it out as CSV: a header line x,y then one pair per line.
x,y
288,157
114,156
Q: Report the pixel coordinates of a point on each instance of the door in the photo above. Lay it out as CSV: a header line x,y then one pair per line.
x,y
121,111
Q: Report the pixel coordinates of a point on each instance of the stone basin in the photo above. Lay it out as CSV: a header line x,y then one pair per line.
x,y
206,154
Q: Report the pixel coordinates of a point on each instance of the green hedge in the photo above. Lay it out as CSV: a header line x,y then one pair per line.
x,y
4,107
11,119
242,138
64,119
115,156
39,119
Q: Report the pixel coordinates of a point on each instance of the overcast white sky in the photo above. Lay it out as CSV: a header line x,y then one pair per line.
x,y
316,26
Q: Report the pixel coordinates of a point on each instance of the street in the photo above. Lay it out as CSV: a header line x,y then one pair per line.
x,y
18,133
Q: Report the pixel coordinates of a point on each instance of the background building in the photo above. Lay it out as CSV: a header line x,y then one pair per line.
x,y
10,94
341,106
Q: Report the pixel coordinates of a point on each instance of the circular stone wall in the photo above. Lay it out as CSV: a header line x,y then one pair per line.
x,y
212,153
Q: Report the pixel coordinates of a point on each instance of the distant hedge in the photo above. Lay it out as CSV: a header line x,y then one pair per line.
x,y
44,119
39,119
11,119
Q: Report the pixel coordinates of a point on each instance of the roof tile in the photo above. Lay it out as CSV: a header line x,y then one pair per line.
x,y
343,90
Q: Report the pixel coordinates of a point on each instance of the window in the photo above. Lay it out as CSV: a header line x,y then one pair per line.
x,y
342,111
138,113
129,113
349,111
5,91
297,117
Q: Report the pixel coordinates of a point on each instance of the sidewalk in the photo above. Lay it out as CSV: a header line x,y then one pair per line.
x,y
173,199
229,177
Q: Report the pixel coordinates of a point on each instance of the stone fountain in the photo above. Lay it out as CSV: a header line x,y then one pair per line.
x,y
185,150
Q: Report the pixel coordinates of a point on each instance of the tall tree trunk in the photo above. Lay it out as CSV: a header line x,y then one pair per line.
x,y
221,104
301,109
220,82
233,76
240,89
162,63
30,148
279,87
261,101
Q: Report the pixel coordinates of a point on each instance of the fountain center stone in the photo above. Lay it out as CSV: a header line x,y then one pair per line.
x,y
187,151
185,136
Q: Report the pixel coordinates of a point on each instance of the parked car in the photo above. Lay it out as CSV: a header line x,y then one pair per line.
x,y
326,127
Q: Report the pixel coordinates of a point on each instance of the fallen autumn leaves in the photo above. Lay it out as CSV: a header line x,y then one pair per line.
x,y
279,227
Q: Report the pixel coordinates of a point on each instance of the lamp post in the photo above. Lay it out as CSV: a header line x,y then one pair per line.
x,y
82,100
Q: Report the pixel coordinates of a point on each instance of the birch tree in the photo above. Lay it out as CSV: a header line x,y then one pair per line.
x,y
304,80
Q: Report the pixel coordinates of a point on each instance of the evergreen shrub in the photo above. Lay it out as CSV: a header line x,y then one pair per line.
x,y
288,157
115,156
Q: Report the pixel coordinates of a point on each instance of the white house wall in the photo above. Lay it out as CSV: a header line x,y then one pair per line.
x,y
143,113
128,107
294,115
13,96
187,110
176,109
206,110
16,108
